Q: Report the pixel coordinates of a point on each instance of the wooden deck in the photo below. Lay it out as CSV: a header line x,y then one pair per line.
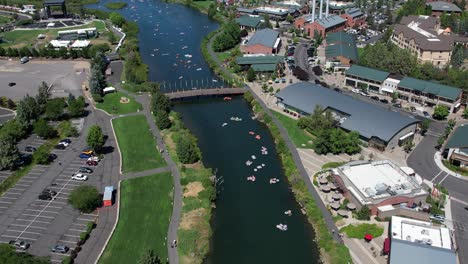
x,y
205,92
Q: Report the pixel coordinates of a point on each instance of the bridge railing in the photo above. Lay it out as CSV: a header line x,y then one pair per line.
x,y
188,85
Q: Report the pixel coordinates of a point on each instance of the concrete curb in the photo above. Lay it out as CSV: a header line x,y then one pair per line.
x,y
117,140
113,228
438,162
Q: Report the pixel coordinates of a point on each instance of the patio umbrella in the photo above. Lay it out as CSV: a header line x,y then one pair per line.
x,y
323,180
335,206
342,212
325,188
368,237
337,196
351,206
332,186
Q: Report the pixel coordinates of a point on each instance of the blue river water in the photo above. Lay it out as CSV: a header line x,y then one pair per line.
x,y
246,214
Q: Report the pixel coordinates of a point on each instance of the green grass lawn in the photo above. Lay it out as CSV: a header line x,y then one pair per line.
x,y
297,135
145,210
359,231
112,104
203,4
136,144
4,20
20,38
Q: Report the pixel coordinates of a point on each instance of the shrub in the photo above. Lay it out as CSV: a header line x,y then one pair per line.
x,y
84,236
85,198
41,156
42,129
73,254
98,98
364,213
67,260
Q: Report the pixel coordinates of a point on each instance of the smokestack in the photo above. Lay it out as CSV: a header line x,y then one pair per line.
x,y
313,11
326,12
321,8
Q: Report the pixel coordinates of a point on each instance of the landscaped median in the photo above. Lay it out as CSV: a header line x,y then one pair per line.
x,y
331,251
145,211
136,144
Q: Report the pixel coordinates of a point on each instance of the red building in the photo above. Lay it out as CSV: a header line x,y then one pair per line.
x,y
265,41
322,26
354,17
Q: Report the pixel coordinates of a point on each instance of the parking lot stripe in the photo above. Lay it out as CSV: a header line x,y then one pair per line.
x,y
11,198
71,235
27,232
77,230
67,241
35,221
79,224
19,184
17,237
32,177
17,189
42,211
38,215
32,172
30,226
13,193
83,219
5,202
1,207
50,201
90,215
26,181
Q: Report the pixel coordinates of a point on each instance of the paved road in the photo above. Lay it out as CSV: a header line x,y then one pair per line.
x,y
301,60
144,173
6,114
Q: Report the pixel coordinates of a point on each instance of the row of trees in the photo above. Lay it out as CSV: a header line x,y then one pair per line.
x,y
97,81
329,138
50,52
8,254
229,38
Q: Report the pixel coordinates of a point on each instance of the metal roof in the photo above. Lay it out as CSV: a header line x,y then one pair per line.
x,y
340,37
459,139
430,87
368,119
266,37
249,21
330,21
417,253
52,2
341,44
368,73
444,6
245,10
354,12
264,67
267,59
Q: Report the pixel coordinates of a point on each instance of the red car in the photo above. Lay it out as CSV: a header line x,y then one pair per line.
x,y
91,163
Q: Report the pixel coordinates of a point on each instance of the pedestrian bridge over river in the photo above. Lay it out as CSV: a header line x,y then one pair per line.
x,y
196,93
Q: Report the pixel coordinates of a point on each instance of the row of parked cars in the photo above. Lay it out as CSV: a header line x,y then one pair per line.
x,y
23,245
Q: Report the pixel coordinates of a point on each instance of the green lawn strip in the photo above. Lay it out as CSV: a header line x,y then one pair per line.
x,y
359,231
112,104
4,20
333,164
204,5
334,252
115,5
299,137
454,168
18,174
145,210
137,145
28,37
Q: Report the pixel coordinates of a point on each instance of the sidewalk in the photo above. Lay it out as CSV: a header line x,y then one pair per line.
x,y
438,162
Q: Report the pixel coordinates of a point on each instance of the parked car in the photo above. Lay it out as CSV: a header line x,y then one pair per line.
x,y
354,90
11,84
91,163
88,152
45,197
376,98
426,114
84,156
60,146
24,60
29,149
85,170
23,159
19,244
60,249
66,140
50,192
94,158
398,105
384,101
364,93
52,157
437,217
79,177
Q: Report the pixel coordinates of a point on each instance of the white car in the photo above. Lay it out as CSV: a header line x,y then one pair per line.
x,y
357,91
64,144
79,177
94,158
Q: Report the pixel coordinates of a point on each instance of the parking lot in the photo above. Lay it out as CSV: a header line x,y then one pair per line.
x,y
5,115
21,79
46,223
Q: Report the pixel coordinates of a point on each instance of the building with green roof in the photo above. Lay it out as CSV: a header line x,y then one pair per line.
x,y
457,147
358,75
340,50
267,63
250,23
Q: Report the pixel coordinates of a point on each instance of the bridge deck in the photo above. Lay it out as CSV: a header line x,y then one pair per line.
x,y
205,92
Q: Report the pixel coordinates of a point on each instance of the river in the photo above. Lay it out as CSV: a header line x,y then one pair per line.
x,y
246,212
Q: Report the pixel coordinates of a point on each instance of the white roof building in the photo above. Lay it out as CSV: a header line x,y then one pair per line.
x,y
80,44
60,43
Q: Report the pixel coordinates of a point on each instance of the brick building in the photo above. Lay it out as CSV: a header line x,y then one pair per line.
x,y
264,41
322,26
354,17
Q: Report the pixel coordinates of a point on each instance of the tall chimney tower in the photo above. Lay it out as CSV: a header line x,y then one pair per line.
x,y
321,8
313,11
328,4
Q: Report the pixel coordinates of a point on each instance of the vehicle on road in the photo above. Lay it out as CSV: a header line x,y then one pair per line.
x,y
45,197
79,177
85,156
60,249
49,192
376,98
85,170
29,149
384,101
24,60
364,93
91,163
397,105
426,114
19,244
437,217
11,84
356,91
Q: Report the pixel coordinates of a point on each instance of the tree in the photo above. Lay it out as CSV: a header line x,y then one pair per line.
x,y
85,198
117,19
44,130
271,90
251,75
264,88
42,95
440,112
300,74
187,149
212,10
8,254
76,107
425,126
408,146
465,113
160,102
289,19
364,213
277,25
27,111
95,138
54,108
8,151
111,38
440,141
42,156
458,56
162,120
14,129
149,257
452,123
